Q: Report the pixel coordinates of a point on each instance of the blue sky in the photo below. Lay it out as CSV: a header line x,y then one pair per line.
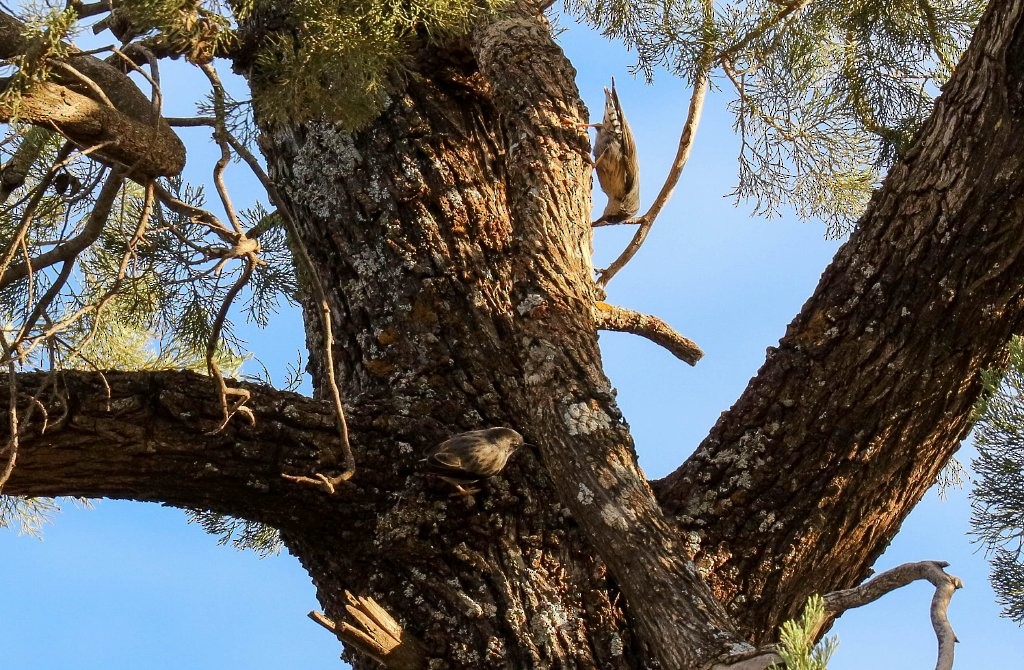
x,y
128,585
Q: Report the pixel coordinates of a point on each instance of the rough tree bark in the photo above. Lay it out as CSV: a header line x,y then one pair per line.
x,y
453,234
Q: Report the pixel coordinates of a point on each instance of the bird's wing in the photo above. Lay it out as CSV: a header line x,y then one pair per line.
x,y
628,145
445,459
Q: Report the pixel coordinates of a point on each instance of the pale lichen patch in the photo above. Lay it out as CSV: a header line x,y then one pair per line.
x,y
583,418
615,645
585,495
530,303
613,517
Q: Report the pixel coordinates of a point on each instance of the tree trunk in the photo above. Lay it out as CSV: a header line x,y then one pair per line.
x,y
453,235
456,238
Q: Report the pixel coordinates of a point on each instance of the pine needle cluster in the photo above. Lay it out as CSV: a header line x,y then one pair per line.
x,y
342,59
997,501
825,95
796,639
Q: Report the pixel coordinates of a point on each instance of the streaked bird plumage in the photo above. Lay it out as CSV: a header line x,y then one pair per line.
x,y
472,456
615,159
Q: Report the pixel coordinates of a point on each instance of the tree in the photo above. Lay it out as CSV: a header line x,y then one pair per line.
x,y
449,236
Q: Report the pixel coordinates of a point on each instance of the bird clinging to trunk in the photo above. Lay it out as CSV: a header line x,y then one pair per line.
x,y
472,456
618,170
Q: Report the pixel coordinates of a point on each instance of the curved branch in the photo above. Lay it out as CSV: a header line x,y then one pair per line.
x,y
700,89
130,132
620,319
945,584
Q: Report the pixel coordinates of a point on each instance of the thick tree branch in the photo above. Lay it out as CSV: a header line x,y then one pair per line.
x,y
613,317
853,415
129,133
144,436
592,464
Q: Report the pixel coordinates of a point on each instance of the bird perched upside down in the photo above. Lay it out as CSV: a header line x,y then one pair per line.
x,y
472,456
615,159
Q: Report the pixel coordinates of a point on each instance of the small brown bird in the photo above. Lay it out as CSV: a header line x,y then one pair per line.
x,y
472,456
615,159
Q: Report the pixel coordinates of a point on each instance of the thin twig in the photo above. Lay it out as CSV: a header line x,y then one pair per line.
x,y
225,152
767,24
211,351
320,295
73,247
193,213
86,81
27,215
700,87
156,97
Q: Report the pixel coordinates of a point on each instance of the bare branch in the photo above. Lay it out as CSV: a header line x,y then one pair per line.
x,y
30,208
620,319
945,584
700,88
219,133
70,249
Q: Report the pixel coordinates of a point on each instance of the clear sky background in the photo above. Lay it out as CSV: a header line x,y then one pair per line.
x,y
129,585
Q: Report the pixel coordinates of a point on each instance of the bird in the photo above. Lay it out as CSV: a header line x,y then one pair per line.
x,y
472,456
615,159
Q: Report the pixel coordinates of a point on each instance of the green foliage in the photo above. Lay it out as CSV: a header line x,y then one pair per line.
x,y
341,60
668,34
796,639
31,514
277,278
242,534
828,94
192,28
998,498
44,35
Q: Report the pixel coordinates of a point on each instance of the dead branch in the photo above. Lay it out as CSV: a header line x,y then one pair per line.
x,y
620,319
838,602
376,635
